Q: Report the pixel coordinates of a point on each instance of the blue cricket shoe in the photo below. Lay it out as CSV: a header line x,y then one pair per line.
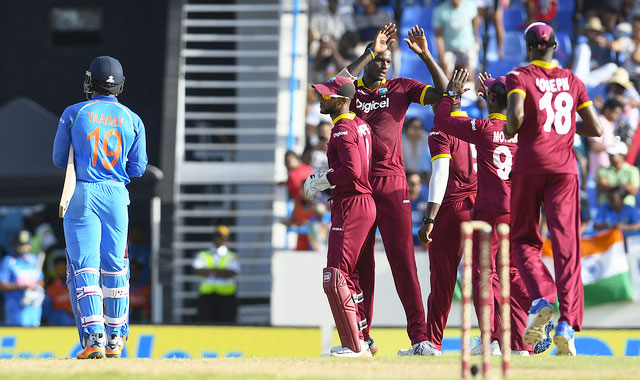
x,y
540,313
545,343
564,339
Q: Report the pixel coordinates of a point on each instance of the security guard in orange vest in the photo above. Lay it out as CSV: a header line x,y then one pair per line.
x,y
219,266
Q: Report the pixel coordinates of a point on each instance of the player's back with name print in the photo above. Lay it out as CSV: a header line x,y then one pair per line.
x,y
552,97
103,132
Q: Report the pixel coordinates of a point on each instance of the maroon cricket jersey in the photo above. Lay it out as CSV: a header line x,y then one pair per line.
x,y
349,155
463,165
384,109
552,97
495,154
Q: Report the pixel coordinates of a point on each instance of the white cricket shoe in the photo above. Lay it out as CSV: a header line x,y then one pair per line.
x,y
494,348
520,353
372,347
424,348
346,352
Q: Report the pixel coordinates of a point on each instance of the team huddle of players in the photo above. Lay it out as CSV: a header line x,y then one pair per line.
x,y
498,170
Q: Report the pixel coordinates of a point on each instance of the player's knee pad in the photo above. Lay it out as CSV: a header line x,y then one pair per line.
x,y
343,307
115,287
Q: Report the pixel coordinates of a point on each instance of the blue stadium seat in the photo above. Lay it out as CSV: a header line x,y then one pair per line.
x,y
514,47
413,67
502,67
565,48
416,15
564,21
514,18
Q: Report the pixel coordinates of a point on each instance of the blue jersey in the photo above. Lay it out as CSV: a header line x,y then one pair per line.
x,y
108,140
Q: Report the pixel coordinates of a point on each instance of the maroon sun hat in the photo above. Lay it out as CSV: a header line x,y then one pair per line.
x,y
336,87
489,82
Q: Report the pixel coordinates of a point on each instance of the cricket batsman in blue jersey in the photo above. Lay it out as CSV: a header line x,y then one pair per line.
x,y
109,146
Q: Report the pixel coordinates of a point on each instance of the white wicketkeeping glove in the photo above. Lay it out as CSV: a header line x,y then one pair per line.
x,y
317,181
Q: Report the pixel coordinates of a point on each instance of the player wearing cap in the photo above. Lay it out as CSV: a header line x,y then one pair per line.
x,y
109,146
383,105
495,158
452,191
542,103
349,152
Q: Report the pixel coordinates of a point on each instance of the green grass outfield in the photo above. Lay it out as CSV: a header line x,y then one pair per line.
x,y
446,367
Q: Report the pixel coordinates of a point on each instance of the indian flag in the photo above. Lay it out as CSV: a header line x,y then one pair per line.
x,y
605,268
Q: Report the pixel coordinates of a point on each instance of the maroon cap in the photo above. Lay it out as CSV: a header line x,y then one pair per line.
x,y
336,86
489,82
540,33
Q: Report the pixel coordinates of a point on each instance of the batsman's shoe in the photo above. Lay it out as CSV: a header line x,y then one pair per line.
x,y
372,347
494,348
544,345
114,347
346,352
564,339
424,348
93,348
540,313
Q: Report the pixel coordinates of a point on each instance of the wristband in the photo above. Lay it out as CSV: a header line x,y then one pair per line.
x,y
373,56
426,220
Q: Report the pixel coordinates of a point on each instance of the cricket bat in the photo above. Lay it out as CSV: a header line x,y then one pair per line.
x,y
69,185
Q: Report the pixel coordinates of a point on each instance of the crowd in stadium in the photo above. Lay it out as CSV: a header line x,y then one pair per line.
x,y
598,40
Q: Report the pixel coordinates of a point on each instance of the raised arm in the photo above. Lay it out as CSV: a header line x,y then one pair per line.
x,y
418,43
380,44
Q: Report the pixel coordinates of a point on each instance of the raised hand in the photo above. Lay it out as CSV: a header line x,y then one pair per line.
x,y
417,40
483,88
384,40
457,82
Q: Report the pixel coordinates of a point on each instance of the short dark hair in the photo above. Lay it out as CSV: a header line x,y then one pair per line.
x,y
612,104
500,91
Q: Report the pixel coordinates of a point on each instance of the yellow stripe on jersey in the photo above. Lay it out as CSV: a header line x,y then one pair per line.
x,y
585,104
524,94
424,92
348,115
497,115
443,155
543,64
459,114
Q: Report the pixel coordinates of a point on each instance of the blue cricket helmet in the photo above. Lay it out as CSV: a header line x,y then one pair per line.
x,y
104,75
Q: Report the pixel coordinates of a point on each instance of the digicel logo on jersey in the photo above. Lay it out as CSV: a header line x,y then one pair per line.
x,y
370,106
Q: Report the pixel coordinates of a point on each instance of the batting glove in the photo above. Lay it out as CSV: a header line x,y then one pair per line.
x,y
317,181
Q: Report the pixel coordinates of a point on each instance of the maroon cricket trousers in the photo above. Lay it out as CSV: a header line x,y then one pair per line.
x,y
519,297
393,218
445,252
560,194
352,221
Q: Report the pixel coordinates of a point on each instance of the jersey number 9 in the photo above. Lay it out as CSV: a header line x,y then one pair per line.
x,y
105,147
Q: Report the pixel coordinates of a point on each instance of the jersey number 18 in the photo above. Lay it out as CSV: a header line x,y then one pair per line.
x,y
105,147
560,114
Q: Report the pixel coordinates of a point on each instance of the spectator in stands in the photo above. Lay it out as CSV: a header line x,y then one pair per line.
x,y
414,143
44,238
491,11
621,89
21,280
616,214
57,305
607,11
629,49
318,152
592,57
139,249
314,117
598,157
453,26
368,22
139,295
298,172
218,267
330,22
619,175
333,55
419,197
541,10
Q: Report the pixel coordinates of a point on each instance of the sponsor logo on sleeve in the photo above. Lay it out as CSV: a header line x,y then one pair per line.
x,y
434,133
340,133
